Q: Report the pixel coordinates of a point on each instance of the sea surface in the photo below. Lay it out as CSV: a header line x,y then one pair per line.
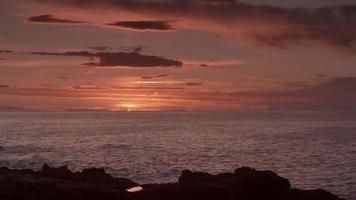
x,y
311,149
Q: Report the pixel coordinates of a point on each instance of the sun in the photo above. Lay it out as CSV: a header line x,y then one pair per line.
x,y
129,106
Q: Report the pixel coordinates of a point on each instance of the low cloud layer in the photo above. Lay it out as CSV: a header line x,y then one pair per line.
x,y
68,53
135,60
51,19
101,48
193,84
116,59
4,86
144,25
261,24
6,51
155,76
11,109
335,94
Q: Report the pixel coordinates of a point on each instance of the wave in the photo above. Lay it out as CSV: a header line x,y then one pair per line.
x,y
25,149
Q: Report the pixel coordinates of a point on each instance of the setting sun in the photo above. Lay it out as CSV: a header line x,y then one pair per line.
x,y
129,106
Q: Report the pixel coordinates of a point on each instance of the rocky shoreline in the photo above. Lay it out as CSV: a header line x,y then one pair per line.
x,y
95,184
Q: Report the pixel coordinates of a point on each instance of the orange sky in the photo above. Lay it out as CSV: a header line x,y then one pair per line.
x,y
154,55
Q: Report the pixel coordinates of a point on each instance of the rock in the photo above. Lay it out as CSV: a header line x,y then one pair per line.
x,y
92,176
99,175
27,171
56,173
246,178
267,181
189,177
317,194
202,179
4,170
96,174
93,184
125,184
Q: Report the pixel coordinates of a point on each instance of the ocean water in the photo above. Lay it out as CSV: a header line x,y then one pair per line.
x,y
311,149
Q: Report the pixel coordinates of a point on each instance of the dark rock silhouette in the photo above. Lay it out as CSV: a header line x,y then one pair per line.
x,y
243,178
95,184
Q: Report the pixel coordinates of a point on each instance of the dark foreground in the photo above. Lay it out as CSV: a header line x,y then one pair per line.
x,y
94,184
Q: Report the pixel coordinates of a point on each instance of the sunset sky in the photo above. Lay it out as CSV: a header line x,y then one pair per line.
x,y
148,55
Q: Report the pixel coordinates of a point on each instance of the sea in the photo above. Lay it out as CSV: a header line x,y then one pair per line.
x,y
311,149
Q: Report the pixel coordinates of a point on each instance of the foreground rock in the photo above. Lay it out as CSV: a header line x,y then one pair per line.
x,y
94,184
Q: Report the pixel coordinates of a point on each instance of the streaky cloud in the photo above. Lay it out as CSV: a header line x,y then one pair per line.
x,y
333,94
11,109
193,84
155,76
117,59
51,19
68,53
6,51
135,60
101,48
4,86
144,25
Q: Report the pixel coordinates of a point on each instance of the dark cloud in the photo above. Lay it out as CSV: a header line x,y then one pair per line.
x,y
135,60
4,86
101,48
269,25
114,59
6,51
51,19
155,76
137,49
88,110
11,109
68,53
144,25
88,87
193,84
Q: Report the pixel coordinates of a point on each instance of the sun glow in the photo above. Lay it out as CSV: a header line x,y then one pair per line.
x,y
129,106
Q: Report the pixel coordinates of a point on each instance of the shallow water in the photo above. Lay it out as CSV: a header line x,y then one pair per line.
x,y
312,149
